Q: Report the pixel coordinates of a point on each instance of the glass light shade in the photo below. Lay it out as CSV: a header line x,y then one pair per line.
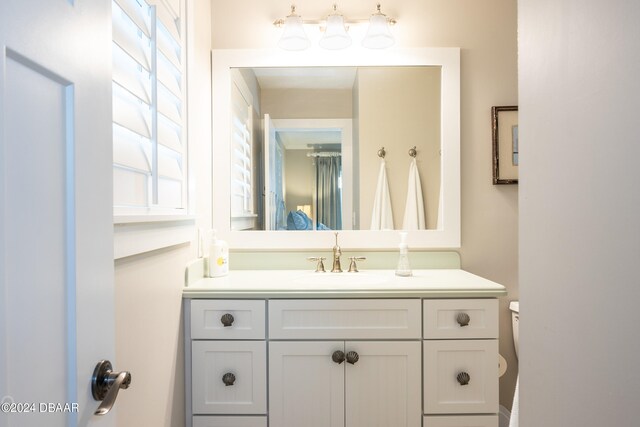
x,y
335,35
293,36
378,35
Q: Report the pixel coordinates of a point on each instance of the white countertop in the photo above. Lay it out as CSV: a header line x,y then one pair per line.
x,y
435,283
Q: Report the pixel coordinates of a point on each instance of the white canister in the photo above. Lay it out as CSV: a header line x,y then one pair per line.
x,y
218,257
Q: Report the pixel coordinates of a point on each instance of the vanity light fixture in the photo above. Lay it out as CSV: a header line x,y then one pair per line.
x,y
335,35
379,35
293,36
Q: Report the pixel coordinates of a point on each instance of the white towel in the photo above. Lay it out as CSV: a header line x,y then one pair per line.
x,y
414,208
382,215
513,422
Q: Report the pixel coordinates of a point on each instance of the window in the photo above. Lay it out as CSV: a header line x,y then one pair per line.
x,y
149,143
243,180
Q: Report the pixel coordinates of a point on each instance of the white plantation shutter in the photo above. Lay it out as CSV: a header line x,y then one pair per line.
x,y
241,156
149,144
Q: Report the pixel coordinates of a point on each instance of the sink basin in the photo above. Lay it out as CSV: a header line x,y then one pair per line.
x,y
340,279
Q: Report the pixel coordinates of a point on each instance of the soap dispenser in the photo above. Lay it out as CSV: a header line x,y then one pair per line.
x,y
218,257
404,268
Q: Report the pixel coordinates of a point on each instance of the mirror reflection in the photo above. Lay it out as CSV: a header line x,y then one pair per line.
x,y
305,148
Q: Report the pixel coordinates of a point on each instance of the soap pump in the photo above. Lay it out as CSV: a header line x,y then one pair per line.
x,y
404,268
218,257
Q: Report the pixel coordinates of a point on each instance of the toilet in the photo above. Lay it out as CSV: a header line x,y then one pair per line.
x,y
514,306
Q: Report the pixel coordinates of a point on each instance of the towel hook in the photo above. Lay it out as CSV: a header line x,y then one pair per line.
x,y
382,153
413,152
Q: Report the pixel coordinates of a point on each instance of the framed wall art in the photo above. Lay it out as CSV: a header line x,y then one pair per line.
x,y
504,125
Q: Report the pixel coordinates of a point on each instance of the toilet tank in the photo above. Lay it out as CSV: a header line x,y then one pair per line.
x,y
514,306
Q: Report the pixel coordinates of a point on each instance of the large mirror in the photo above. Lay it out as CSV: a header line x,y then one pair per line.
x,y
298,140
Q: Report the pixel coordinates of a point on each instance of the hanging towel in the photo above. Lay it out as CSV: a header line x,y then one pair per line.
x,y
414,208
382,215
513,422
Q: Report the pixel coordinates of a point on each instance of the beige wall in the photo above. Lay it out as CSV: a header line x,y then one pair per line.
x,y
299,179
399,108
486,32
149,337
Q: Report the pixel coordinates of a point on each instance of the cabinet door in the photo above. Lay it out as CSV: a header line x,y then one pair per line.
x,y
461,421
383,387
229,377
461,376
245,319
306,387
228,421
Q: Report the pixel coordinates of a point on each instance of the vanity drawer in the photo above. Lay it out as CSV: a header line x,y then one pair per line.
x,y
218,421
245,360
460,421
445,364
246,318
345,319
460,318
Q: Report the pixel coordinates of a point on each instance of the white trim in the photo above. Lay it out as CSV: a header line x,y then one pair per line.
x,y
130,219
139,237
448,236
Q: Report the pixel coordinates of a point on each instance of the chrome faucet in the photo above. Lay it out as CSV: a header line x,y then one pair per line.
x,y
336,257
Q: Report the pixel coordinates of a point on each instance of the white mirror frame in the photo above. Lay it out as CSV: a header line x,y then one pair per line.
x,y
447,236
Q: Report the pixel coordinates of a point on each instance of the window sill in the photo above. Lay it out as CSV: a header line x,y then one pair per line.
x,y
137,219
138,234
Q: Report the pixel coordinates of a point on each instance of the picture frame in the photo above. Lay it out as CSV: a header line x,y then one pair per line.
x,y
504,125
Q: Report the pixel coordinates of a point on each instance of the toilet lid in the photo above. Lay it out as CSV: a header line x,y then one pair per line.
x,y
515,306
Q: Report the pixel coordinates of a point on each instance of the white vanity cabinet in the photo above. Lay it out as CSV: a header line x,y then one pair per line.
x,y
308,388
397,357
460,369
342,381
227,362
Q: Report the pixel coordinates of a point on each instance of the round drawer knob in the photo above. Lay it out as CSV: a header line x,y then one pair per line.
x,y
227,319
352,357
463,378
228,379
338,356
463,319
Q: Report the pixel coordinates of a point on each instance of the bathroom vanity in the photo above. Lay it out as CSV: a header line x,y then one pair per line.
x,y
294,348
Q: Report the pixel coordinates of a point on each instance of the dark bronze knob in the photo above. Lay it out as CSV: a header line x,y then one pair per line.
x,y
463,378
338,356
352,357
463,319
105,385
227,319
228,379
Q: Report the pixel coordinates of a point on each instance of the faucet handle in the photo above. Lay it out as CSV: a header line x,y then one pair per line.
x,y
319,260
353,268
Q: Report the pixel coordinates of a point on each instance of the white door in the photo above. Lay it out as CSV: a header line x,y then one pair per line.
x,y
270,143
306,387
56,247
383,387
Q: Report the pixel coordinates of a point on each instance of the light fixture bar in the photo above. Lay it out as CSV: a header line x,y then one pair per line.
x,y
335,28
280,22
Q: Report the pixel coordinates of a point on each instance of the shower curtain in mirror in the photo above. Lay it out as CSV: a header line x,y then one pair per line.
x,y
328,192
